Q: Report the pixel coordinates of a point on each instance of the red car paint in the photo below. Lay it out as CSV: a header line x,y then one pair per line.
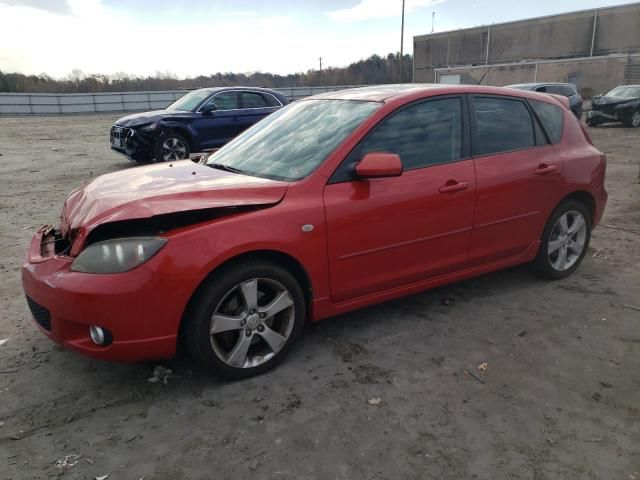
x,y
472,216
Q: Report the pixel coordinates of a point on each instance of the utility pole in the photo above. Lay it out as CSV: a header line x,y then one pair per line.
x,y
320,70
401,43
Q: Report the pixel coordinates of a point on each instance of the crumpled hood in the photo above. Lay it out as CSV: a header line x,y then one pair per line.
x,y
610,101
149,117
145,192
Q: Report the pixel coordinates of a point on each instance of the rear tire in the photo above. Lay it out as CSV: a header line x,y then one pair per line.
x,y
245,319
634,120
564,241
171,147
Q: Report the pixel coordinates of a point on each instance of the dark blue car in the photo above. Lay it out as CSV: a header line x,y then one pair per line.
x,y
202,119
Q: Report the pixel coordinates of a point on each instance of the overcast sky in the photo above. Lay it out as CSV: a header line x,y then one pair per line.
x,y
191,37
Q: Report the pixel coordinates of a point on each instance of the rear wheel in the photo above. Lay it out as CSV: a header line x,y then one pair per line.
x,y
171,147
634,120
245,319
564,241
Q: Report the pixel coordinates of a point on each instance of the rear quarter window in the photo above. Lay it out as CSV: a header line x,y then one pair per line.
x,y
271,100
552,118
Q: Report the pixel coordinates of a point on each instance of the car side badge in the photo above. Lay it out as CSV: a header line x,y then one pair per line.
x,y
307,228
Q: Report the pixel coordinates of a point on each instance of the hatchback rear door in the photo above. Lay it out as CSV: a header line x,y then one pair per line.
x,y
518,176
388,232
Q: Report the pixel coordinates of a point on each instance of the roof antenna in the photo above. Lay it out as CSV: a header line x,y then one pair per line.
x,y
485,74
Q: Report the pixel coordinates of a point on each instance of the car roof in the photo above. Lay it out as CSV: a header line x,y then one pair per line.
x,y
538,84
220,89
383,93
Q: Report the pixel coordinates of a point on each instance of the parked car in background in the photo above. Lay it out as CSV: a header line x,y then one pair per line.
x,y
333,203
622,104
565,89
202,119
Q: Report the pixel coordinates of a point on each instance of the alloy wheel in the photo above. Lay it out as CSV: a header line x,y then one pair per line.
x,y
567,240
173,149
635,119
252,323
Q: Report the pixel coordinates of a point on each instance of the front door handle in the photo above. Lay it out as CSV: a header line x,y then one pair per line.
x,y
453,186
545,169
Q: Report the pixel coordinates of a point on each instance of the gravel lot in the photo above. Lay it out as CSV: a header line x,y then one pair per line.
x,y
560,398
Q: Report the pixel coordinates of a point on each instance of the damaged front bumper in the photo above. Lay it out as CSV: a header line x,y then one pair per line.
x,y
141,308
600,115
135,144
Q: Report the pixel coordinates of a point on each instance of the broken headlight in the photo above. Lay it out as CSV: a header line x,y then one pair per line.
x,y
117,255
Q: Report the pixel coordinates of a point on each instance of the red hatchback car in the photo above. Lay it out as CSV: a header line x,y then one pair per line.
x,y
333,203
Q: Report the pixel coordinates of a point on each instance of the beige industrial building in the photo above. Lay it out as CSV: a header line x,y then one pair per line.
x,y
594,49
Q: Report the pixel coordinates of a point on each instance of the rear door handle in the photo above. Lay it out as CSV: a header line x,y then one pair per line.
x,y
451,187
545,169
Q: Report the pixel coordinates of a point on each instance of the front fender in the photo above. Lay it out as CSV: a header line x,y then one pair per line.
x,y
167,126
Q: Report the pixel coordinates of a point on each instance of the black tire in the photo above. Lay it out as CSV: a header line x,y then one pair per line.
x,y
634,120
162,147
214,292
542,265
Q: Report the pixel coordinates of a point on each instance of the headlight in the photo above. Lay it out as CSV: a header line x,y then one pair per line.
x,y
151,127
117,255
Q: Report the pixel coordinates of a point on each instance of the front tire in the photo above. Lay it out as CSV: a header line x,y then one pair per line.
x,y
564,241
245,319
171,147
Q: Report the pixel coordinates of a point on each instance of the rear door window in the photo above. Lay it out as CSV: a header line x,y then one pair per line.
x,y
501,125
253,100
552,118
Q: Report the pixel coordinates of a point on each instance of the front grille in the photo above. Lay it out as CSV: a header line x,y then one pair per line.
x,y
120,132
40,314
54,243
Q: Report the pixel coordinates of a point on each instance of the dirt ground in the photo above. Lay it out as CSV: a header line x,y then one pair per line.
x,y
560,398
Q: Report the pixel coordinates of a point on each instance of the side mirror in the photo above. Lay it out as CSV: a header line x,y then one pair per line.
x,y
208,108
376,165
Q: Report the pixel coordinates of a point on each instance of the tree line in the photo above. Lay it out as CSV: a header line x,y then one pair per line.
x,y
373,70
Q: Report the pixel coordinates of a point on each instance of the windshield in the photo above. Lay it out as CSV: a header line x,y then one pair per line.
x,y
189,101
294,141
625,92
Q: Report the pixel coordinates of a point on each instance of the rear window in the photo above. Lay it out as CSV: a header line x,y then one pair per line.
x,y
552,118
253,100
565,90
502,125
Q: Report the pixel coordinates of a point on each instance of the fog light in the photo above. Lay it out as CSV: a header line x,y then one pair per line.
x,y
99,335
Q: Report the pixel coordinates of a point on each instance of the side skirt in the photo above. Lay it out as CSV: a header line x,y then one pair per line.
x,y
324,307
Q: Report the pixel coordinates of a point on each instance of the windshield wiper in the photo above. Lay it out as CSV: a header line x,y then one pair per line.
x,y
226,168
